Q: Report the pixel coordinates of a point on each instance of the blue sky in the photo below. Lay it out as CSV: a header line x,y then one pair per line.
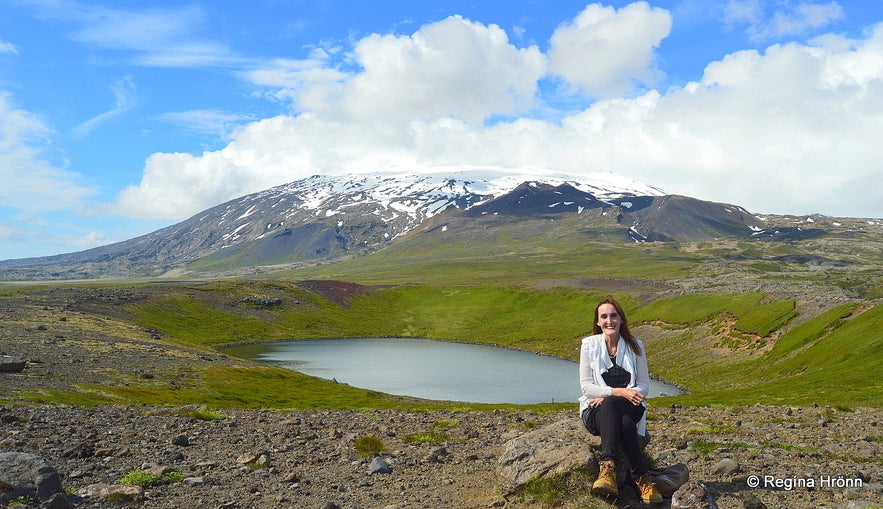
x,y
119,118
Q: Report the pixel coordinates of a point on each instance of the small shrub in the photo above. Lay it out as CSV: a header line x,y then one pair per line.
x,y
446,424
704,447
173,477
369,445
139,477
203,414
23,501
710,428
426,437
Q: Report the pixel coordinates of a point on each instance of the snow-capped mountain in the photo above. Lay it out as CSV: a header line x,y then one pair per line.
x,y
327,217
397,202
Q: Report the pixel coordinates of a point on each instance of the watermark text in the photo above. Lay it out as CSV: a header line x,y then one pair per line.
x,y
791,483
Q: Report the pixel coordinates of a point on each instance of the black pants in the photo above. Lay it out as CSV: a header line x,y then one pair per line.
x,y
615,421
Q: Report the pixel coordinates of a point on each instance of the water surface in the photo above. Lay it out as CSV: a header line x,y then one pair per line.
x,y
431,369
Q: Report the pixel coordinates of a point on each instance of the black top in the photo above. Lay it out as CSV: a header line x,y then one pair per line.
x,y
616,376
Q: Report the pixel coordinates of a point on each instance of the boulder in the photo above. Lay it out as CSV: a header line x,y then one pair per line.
x,y
379,466
10,364
27,475
553,449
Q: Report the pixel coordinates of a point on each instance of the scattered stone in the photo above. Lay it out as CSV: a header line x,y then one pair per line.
x,y
111,493
750,501
438,455
57,501
81,450
258,300
182,440
725,466
693,495
27,475
379,466
247,458
10,364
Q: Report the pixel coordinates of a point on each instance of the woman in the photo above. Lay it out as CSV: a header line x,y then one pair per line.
x,y
614,381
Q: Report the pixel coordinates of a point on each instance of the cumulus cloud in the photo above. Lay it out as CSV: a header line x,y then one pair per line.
x,y
789,129
606,51
454,67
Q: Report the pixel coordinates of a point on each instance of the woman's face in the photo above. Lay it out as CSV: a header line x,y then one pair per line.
x,y
609,320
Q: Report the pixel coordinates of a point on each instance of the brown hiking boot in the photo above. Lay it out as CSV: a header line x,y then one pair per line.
x,y
649,493
605,484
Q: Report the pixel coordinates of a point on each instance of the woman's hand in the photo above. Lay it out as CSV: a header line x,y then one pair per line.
x,y
635,397
595,402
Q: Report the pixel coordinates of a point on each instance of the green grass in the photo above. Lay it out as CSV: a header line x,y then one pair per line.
x,y
368,446
511,259
426,437
766,318
820,361
139,477
554,490
203,414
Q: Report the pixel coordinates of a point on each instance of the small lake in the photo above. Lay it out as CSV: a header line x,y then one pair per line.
x,y
431,369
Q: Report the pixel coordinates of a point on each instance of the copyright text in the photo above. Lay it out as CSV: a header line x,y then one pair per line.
x,y
791,483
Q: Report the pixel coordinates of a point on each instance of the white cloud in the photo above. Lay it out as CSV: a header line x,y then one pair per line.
x,y
137,29
773,20
791,129
157,37
8,47
125,99
28,181
454,67
213,122
607,52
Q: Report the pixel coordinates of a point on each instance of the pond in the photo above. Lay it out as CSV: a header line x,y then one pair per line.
x,y
432,369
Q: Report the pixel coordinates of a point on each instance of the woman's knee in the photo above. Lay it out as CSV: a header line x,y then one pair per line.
x,y
628,424
614,402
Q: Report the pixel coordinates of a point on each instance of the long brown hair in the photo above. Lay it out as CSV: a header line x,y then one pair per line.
x,y
623,325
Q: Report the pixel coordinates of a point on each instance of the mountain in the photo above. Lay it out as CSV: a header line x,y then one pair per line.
x,y
324,218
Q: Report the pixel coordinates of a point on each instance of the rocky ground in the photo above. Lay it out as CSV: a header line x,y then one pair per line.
x,y
804,458
801,458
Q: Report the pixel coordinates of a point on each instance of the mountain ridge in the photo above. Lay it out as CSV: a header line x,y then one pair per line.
x,y
323,218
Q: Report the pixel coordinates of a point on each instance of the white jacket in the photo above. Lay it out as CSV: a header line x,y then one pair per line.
x,y
594,360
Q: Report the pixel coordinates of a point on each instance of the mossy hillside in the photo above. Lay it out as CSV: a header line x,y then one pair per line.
x,y
822,361
794,368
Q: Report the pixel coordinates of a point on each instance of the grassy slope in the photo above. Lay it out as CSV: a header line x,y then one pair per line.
x,y
716,345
